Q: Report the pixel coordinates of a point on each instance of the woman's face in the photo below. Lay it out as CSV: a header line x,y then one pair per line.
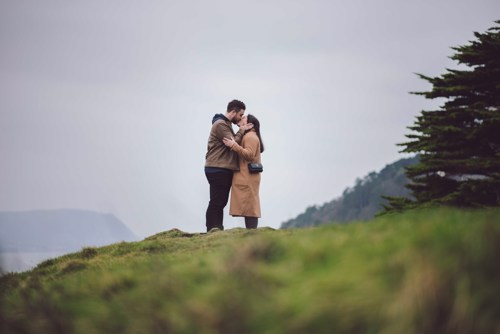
x,y
243,121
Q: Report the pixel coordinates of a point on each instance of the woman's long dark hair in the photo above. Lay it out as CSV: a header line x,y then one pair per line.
x,y
256,125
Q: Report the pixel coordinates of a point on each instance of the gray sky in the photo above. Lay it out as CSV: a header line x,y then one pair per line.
x,y
107,105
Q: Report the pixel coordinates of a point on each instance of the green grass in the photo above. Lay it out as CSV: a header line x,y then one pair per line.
x,y
432,271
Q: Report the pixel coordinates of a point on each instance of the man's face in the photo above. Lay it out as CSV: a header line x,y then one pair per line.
x,y
238,116
243,121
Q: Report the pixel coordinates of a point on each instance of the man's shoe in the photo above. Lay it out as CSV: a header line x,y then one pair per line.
x,y
214,229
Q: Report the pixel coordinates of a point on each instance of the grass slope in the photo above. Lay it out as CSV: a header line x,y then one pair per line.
x,y
421,272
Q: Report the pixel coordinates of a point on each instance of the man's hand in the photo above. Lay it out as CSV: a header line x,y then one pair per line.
x,y
229,142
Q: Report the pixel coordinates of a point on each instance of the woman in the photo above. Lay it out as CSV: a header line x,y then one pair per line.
x,y
245,201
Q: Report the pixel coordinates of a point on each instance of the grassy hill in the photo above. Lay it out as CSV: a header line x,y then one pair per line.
x,y
422,272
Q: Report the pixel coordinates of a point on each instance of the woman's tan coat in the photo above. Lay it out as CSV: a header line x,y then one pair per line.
x,y
245,199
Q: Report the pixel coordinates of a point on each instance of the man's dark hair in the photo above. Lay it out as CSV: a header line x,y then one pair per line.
x,y
236,106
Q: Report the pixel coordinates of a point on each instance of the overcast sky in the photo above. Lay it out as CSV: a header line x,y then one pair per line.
x,y
107,105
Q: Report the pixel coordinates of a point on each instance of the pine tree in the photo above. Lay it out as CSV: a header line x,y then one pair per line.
x,y
459,144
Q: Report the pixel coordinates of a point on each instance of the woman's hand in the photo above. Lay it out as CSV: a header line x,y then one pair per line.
x,y
246,127
229,142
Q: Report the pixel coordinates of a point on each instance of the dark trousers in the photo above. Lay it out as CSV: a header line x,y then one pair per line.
x,y
220,185
251,222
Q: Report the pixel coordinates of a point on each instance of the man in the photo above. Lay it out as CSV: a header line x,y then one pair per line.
x,y
221,161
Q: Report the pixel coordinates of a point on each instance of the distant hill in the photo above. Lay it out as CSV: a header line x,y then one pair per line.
x,y
59,230
360,202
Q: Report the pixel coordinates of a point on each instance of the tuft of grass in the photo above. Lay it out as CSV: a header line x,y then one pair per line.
x,y
46,263
88,252
173,233
433,271
72,266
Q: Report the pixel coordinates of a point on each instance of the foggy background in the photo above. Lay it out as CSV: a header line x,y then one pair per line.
x,y
107,106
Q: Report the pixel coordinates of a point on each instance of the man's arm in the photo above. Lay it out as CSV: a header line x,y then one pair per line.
x,y
226,131
241,132
239,135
